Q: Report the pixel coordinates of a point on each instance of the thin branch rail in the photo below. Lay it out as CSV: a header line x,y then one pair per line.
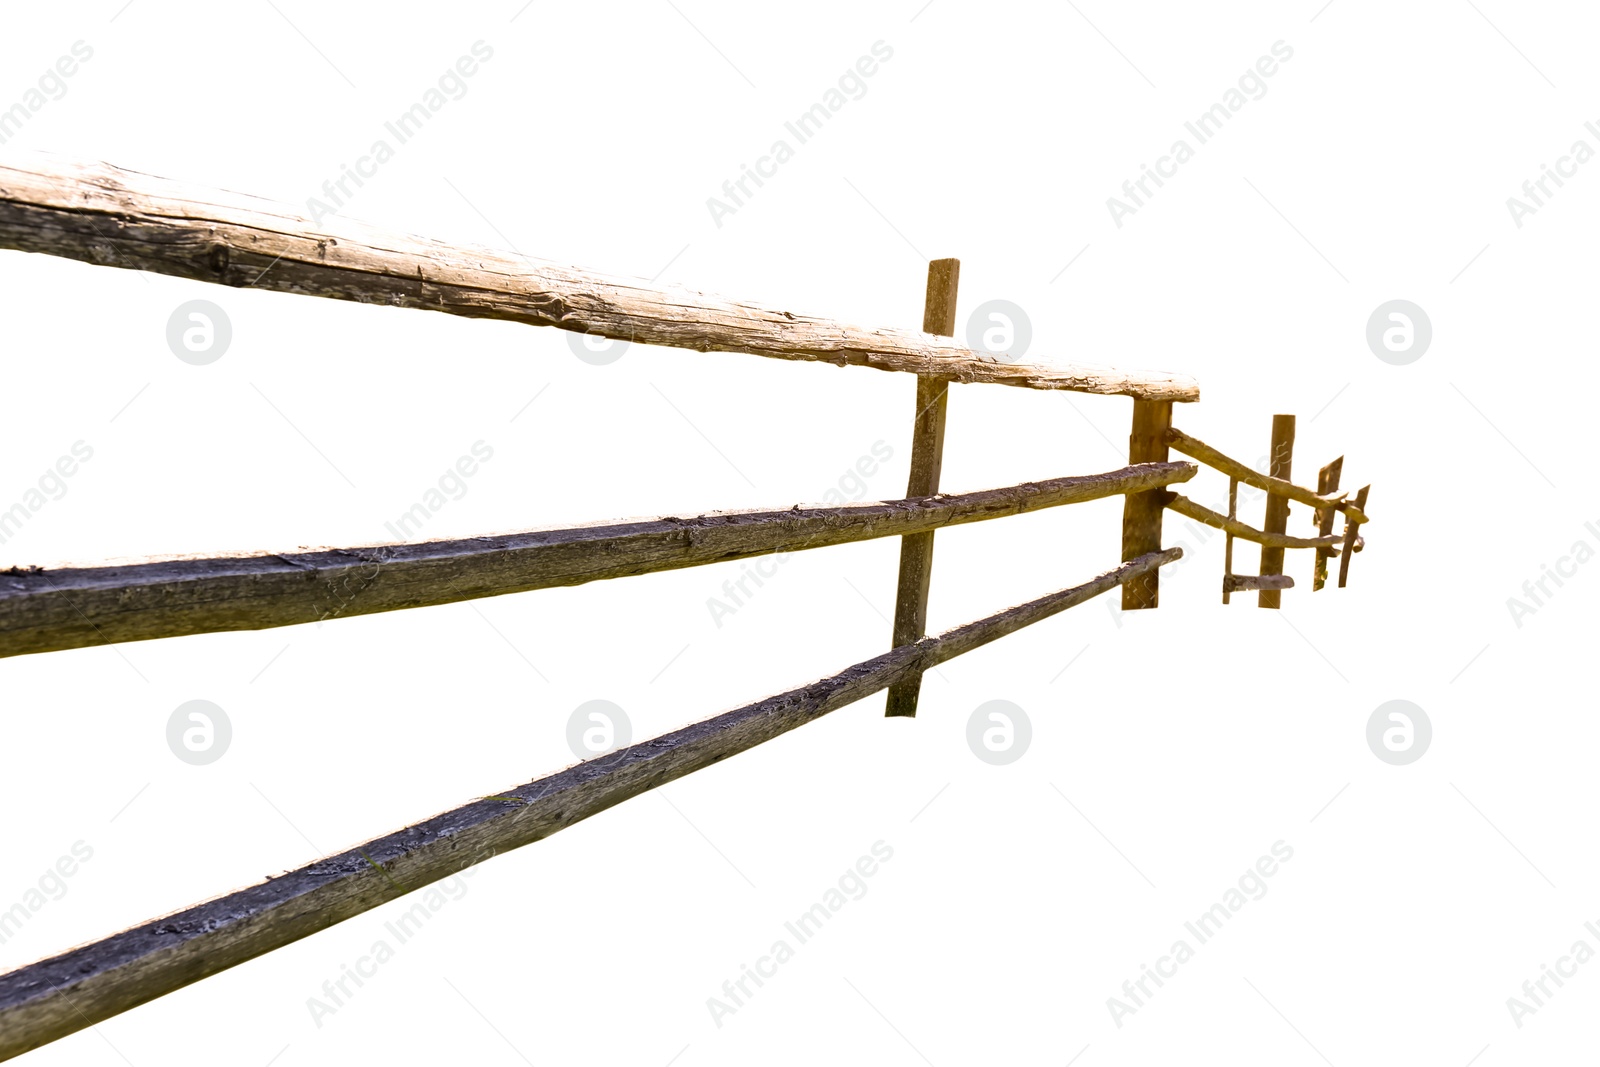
x,y
50,999
1200,513
116,218
44,611
1197,449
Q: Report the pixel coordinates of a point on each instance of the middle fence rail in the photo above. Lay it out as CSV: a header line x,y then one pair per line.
x,y
102,215
49,610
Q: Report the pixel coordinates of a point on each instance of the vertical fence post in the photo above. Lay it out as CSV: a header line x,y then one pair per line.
x,y
1227,556
1350,528
1327,482
1277,517
1141,512
927,456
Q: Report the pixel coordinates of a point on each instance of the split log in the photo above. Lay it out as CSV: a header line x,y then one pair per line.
x,y
50,999
48,610
117,218
1239,583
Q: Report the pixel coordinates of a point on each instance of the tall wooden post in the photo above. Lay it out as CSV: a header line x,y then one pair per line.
x,y
1277,517
927,456
1141,512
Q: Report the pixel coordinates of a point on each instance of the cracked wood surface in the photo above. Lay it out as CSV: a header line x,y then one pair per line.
x,y
101,214
44,1001
49,610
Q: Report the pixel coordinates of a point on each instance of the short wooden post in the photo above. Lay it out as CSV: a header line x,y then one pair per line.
x,y
1227,555
1277,517
927,456
1327,482
1350,528
1141,512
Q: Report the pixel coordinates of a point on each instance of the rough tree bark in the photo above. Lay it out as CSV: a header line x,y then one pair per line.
x,y
100,214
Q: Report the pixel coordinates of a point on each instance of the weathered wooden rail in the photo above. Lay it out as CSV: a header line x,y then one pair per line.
x,y
118,218
102,215
57,996
72,607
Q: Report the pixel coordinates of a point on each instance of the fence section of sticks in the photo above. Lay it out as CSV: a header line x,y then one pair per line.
x,y
114,218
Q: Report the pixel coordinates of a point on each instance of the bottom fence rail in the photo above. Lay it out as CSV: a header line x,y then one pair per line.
x,y
55,997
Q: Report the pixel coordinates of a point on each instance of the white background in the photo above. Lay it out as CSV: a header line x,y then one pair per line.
x,y
1176,748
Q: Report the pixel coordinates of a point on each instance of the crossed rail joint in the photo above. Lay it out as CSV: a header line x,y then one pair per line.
x,y
1326,502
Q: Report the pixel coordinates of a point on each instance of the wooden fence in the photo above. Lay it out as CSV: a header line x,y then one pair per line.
x,y
103,215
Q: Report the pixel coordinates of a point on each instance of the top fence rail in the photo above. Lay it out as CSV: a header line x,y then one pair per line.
x,y
102,214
